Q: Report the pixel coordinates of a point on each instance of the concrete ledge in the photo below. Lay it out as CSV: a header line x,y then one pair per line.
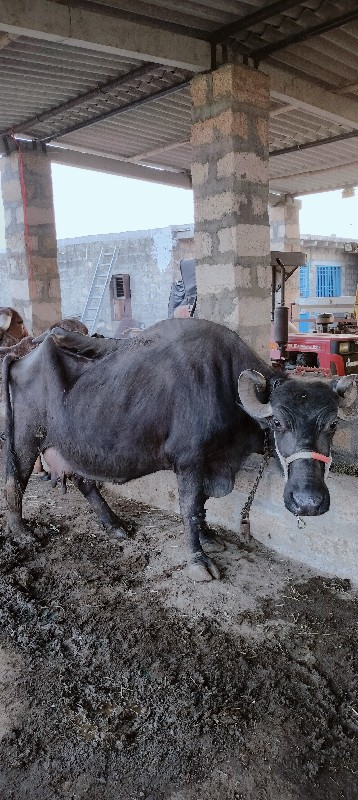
x,y
328,544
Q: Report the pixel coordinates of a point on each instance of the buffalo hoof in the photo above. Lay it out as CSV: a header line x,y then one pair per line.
x,y
117,531
211,543
17,531
19,535
203,569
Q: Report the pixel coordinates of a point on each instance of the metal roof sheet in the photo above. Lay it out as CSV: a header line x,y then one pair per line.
x,y
48,89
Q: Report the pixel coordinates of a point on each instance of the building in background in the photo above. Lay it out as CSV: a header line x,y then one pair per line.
x,y
129,276
328,282
133,275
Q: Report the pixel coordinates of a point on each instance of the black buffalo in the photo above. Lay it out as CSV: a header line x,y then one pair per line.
x,y
100,410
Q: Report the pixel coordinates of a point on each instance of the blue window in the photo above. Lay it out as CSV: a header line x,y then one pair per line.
x,y
304,280
328,281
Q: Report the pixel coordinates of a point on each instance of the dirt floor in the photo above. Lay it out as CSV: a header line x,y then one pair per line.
x,y
120,679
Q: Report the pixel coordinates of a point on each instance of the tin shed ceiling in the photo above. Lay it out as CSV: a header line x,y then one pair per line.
x,y
108,82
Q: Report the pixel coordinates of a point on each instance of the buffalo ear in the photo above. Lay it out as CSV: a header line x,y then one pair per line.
x,y
346,389
249,383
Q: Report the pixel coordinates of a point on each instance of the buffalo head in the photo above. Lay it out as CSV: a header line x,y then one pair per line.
x,y
12,328
303,415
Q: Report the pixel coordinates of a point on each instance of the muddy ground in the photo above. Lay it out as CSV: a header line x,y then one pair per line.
x,y
121,679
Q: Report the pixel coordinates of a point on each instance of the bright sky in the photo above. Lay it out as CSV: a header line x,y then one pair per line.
x,y
328,213
88,202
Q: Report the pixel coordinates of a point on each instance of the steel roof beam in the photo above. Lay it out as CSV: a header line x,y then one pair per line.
x,y
68,105
283,182
116,112
46,19
249,20
311,97
121,13
297,148
116,166
301,36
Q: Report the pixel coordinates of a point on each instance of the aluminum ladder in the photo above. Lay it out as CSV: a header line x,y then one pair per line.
x,y
98,287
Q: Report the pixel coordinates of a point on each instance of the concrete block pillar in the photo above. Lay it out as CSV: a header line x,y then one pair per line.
x,y
230,182
285,235
30,235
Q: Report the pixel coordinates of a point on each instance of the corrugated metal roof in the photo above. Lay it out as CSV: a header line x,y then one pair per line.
x,y
79,84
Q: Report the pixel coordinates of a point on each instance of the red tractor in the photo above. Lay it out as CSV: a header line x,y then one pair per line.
x,y
326,350
331,353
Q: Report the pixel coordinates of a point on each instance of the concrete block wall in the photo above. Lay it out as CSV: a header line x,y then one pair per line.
x,y
151,258
345,443
329,543
350,279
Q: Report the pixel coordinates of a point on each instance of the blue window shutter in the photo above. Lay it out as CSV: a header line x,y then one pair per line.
x,y
304,280
328,281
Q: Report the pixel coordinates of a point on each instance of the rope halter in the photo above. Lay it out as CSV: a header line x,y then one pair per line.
x,y
286,461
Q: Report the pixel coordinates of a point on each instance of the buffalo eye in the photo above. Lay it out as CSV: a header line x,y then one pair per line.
x,y
277,424
333,425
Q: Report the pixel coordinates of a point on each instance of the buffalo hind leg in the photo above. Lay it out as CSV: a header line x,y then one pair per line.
x,y
16,480
202,568
109,519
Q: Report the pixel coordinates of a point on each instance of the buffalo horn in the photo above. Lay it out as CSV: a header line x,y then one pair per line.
x,y
248,382
5,321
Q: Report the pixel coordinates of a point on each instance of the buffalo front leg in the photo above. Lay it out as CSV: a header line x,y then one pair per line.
x,y
208,539
201,567
109,519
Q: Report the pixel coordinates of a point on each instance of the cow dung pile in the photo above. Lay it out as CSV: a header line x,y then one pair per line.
x,y
122,680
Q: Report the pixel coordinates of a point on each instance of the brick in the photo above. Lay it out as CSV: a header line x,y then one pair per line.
x,y
15,243
42,266
54,289
8,217
199,90
245,240
222,80
251,86
11,190
199,173
264,277
243,84
252,313
246,166
232,123
19,215
203,245
262,125
251,167
202,133
215,206
259,206
19,290
40,216
212,278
